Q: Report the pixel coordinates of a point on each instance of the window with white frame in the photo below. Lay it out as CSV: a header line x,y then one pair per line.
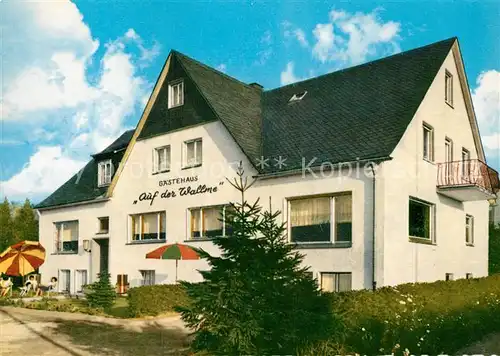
x,y
80,280
469,276
193,153
103,225
336,281
148,226
320,219
469,229
161,159
428,143
65,281
66,237
421,219
176,93
209,222
449,277
105,172
148,277
465,163
448,92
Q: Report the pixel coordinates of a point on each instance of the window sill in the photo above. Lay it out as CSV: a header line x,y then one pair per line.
x,y
202,239
469,245
449,104
65,253
429,161
102,233
322,245
160,172
419,240
175,106
145,242
192,166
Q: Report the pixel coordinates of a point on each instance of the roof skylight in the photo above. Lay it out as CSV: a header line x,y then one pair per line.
x,y
298,96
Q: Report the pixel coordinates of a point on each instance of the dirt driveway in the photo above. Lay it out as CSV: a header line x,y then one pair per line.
x,y
35,332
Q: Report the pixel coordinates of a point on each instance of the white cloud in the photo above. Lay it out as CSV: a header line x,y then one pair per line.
x,y
70,102
492,142
266,38
292,32
221,67
49,167
300,35
264,54
324,41
288,76
486,98
353,38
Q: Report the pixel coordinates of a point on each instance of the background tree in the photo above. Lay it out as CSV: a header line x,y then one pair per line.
x,y
256,298
25,223
6,225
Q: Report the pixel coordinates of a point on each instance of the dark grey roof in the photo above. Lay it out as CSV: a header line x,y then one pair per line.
x,y
356,113
83,185
119,144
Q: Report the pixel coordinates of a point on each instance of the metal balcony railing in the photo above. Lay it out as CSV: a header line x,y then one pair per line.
x,y
471,172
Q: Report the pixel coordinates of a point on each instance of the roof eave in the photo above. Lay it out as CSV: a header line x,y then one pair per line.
x,y
83,202
316,168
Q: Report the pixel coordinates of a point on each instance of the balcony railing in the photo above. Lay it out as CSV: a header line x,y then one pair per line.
x,y
468,173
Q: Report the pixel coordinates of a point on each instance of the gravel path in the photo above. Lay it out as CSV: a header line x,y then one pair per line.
x,y
35,332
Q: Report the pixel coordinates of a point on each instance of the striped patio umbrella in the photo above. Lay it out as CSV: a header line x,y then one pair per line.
x,y
22,258
174,252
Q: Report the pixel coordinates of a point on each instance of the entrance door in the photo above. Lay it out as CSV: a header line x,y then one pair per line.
x,y
104,254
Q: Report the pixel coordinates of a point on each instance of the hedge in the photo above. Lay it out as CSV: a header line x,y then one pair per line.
x,y
494,249
155,300
425,318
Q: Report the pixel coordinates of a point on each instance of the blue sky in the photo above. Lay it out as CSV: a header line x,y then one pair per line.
x,y
84,70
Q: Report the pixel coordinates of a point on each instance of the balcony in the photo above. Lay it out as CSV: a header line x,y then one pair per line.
x,y
468,180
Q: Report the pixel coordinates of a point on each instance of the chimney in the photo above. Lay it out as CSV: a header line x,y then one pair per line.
x,y
256,85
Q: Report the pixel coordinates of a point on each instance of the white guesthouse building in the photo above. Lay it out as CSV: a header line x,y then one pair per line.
x,y
378,169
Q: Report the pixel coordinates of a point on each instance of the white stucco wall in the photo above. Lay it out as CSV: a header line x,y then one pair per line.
x,y
220,158
87,216
408,174
397,259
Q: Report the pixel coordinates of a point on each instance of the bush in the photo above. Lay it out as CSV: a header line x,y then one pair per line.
x,y
101,294
155,300
494,249
426,318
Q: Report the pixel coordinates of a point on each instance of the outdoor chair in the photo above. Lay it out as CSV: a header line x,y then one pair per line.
x,y
6,289
52,288
25,290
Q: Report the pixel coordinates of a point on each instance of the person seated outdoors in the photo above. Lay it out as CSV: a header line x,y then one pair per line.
x,y
31,284
48,288
5,286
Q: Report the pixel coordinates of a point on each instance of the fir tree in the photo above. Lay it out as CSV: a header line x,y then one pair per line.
x,y
102,294
6,225
25,223
256,299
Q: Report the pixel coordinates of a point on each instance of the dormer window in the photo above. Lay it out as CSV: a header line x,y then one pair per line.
x,y
175,93
298,96
104,172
